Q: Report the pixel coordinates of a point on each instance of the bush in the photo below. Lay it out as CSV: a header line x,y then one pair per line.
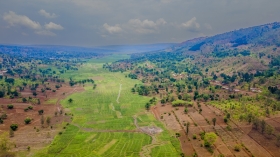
x,y
30,107
10,106
179,103
225,119
14,127
24,100
3,116
41,112
237,147
209,139
194,136
27,120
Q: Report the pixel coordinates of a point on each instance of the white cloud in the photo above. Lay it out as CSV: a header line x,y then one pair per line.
x,y
191,25
112,29
14,19
145,26
46,14
45,33
52,25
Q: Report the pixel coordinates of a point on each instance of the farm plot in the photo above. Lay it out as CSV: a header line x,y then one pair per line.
x,y
103,127
232,140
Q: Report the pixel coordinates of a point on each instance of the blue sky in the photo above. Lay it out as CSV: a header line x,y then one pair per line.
x,y
113,22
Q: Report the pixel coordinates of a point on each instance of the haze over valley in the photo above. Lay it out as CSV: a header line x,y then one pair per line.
x,y
151,78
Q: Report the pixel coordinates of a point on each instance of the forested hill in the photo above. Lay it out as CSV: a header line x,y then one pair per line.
x,y
263,35
238,40
256,45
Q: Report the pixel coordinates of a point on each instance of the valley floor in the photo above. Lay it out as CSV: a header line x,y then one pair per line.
x,y
110,121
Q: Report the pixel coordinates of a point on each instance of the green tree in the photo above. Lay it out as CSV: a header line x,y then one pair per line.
x,y
11,133
186,110
269,130
228,115
187,127
214,121
24,100
41,112
278,140
35,94
14,127
256,123
250,118
48,120
209,139
42,120
263,126
10,106
5,145
225,119
70,100
27,120
147,106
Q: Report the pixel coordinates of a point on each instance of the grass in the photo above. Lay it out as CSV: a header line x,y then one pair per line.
x,y
242,107
51,101
96,112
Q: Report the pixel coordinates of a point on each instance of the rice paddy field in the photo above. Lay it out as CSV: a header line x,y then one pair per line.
x,y
106,119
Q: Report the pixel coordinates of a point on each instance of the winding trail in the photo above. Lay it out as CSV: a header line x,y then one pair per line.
x,y
147,149
119,94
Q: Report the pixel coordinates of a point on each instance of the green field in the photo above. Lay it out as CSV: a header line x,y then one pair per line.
x,y
103,125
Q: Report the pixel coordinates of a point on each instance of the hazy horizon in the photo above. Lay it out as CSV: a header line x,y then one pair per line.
x,y
98,23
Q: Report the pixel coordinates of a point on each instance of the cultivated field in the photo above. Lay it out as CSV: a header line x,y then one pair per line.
x,y
109,120
230,134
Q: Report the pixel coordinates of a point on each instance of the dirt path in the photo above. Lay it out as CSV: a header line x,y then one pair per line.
x,y
147,149
119,94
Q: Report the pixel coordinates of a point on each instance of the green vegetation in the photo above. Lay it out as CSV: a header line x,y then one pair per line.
x,y
10,106
14,127
238,76
103,123
209,139
27,120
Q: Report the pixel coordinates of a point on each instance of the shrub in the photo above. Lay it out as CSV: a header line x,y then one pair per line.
x,y
41,112
237,147
24,100
3,116
194,136
30,107
209,139
27,120
225,119
10,106
34,93
14,127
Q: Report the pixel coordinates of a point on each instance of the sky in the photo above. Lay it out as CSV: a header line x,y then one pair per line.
x,y
124,22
